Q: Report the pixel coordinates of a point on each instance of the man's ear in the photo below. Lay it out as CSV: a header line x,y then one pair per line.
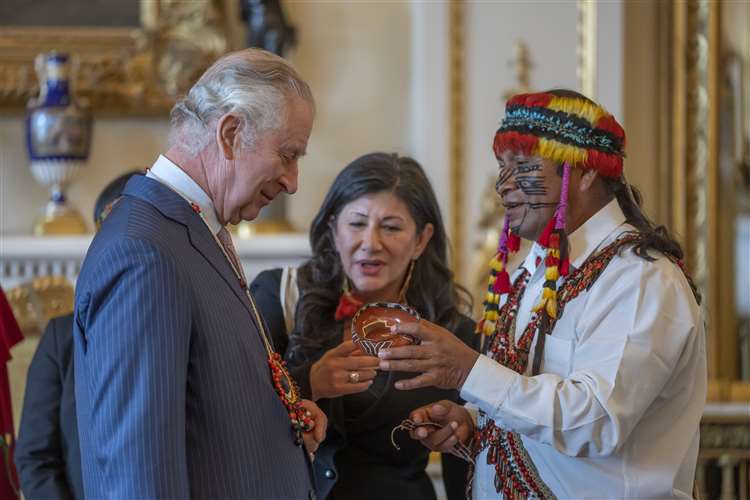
x,y
587,180
228,134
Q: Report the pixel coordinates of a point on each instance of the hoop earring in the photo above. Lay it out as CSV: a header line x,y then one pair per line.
x,y
407,281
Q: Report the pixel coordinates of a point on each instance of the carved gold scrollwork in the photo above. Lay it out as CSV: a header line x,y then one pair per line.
x,y
695,152
134,71
457,128
36,302
587,45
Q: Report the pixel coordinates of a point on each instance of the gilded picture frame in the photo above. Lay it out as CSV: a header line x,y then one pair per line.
x,y
120,70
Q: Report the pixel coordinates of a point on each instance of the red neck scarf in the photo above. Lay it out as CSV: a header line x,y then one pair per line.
x,y
348,306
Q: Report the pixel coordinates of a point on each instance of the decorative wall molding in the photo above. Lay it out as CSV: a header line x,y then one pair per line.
x,y
695,72
25,258
587,45
457,131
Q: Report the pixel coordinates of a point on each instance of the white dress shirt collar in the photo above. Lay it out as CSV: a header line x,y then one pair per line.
x,y
533,259
591,234
172,176
585,240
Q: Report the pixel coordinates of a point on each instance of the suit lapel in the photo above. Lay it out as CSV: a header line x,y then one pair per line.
x,y
175,207
207,246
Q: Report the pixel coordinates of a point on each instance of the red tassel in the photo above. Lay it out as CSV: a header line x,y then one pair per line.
x,y
550,261
502,283
514,243
565,267
554,240
544,239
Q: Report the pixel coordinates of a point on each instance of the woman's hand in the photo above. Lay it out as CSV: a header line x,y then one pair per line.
x,y
342,370
458,426
317,434
442,359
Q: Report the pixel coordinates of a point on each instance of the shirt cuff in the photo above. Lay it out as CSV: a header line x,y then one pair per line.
x,y
488,384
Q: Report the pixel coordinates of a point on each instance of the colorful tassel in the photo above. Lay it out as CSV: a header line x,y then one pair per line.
x,y
556,262
498,283
514,243
561,216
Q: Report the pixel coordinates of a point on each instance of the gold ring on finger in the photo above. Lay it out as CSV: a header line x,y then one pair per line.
x,y
353,377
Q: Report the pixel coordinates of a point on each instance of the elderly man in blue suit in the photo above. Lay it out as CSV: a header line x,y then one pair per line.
x,y
175,398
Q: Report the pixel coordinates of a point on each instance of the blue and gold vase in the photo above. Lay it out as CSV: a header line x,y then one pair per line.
x,y
58,138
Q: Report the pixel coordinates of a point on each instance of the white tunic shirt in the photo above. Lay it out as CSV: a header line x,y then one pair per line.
x,y
616,409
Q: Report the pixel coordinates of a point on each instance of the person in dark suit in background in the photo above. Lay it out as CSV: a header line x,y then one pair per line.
x,y
48,457
378,237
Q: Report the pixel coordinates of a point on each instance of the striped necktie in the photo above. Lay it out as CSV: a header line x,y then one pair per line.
x,y
226,241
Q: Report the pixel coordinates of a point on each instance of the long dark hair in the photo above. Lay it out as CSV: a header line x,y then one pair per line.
x,y
431,290
654,237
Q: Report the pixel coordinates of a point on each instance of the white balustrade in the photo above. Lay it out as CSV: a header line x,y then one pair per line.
x,y
23,258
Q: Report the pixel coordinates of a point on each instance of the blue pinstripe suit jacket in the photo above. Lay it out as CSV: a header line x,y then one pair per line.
x,y
174,396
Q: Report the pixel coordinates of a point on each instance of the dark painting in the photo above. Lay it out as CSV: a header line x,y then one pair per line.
x,y
70,13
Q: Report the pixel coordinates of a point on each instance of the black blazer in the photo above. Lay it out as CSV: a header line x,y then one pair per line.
x,y
47,455
357,456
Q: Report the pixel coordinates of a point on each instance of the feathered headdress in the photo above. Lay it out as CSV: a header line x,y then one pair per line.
x,y
567,129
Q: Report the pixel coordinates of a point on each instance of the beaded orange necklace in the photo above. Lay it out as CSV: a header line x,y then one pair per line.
x,y
284,385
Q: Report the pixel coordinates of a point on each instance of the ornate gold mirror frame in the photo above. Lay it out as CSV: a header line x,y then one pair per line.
x,y
695,152
121,70
697,185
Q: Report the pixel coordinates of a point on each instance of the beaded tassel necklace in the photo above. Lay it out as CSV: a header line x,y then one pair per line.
x,y
516,475
284,385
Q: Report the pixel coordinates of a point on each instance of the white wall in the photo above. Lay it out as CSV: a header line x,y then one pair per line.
x,y
356,57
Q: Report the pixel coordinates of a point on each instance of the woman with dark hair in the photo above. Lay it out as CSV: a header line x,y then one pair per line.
x,y
378,237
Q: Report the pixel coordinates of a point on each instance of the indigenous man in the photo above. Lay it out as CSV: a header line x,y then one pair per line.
x,y
178,390
594,379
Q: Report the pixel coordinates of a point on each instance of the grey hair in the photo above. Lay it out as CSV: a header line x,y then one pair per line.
x,y
252,83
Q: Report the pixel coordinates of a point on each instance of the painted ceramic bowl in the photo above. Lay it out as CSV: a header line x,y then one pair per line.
x,y
371,326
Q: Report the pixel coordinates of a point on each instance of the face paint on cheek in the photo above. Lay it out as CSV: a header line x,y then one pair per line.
x,y
517,227
529,184
527,168
502,178
532,185
541,204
